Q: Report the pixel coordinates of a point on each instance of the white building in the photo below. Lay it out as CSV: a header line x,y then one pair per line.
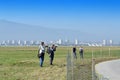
x,y
59,41
111,42
25,42
13,42
19,42
76,42
104,42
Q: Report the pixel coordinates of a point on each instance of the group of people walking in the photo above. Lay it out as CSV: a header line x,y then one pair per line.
x,y
41,52
81,52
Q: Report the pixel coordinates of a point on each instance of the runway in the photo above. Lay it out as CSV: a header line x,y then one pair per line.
x,y
109,70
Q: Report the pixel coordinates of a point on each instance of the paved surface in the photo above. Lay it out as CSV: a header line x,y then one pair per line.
x,y
109,69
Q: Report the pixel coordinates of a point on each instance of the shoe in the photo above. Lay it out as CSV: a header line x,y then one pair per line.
x,y
51,64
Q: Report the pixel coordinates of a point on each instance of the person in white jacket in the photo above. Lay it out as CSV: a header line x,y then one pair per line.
x,y
41,53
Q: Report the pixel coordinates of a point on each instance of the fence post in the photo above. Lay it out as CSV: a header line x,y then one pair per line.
x,y
101,52
92,54
109,52
93,69
69,71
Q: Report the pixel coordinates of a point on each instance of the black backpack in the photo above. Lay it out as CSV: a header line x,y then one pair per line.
x,y
48,50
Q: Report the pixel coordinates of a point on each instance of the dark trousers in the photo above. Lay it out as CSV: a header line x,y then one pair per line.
x,y
41,59
51,58
81,55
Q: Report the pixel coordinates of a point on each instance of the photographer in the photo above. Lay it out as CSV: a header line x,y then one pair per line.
x,y
51,53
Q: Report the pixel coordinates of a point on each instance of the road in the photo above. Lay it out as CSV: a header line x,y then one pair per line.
x,y
109,69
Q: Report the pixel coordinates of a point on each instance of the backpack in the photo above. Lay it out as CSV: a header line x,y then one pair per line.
x,y
81,51
39,54
48,50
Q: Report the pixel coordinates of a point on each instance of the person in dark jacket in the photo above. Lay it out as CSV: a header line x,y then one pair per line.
x,y
51,53
74,53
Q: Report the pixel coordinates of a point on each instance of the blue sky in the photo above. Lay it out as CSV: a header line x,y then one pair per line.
x,y
98,17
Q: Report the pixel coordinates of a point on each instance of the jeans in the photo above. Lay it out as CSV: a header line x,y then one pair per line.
x,y
81,55
41,59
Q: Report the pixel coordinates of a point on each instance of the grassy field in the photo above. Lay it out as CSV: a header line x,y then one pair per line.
x,y
21,63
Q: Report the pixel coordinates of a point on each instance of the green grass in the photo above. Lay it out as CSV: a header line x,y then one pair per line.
x,y
21,63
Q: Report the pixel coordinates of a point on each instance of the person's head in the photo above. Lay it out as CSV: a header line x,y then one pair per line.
x,y
53,45
42,43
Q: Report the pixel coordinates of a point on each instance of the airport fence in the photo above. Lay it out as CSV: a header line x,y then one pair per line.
x,y
78,69
84,69
110,53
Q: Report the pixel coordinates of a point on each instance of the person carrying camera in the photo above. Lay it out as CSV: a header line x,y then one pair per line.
x,y
51,53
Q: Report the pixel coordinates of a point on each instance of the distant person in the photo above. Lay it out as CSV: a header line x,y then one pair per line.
x,y
81,53
74,52
51,53
41,53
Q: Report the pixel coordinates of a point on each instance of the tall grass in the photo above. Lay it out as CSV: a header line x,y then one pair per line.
x,y
21,63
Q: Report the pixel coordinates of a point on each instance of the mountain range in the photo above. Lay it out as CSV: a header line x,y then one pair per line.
x,y
10,30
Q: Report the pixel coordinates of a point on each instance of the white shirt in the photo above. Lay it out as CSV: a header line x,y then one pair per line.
x,y
42,49
81,48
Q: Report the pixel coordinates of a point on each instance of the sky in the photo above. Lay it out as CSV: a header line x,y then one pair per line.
x,y
98,17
